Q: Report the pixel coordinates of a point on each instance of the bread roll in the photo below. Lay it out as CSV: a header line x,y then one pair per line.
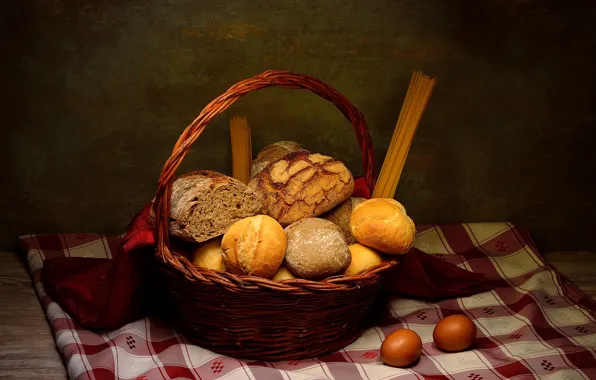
x,y
255,246
382,224
271,153
283,274
204,204
363,258
209,255
316,249
302,185
340,216
228,245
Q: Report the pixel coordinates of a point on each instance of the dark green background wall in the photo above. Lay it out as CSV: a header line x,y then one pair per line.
x,y
98,92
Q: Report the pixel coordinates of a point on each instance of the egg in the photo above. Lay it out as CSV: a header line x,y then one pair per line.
x,y
454,333
401,348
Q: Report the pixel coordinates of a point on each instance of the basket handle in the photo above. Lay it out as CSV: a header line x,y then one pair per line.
x,y
283,79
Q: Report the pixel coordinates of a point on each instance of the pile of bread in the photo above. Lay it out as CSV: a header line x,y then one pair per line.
x,y
296,218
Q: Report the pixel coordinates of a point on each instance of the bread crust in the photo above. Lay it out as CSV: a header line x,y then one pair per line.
x,y
229,243
255,246
316,249
382,224
270,153
302,185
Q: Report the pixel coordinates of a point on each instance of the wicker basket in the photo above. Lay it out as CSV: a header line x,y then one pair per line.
x,y
250,317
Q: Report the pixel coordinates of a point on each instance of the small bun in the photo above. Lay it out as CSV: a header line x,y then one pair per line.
x,y
316,249
363,258
283,274
209,255
255,246
228,245
382,224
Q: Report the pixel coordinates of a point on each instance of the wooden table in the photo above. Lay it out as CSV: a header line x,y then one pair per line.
x,y
27,349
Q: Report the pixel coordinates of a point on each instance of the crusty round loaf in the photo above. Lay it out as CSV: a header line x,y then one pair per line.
x,y
382,224
209,255
255,246
204,204
316,249
271,153
363,258
340,216
302,185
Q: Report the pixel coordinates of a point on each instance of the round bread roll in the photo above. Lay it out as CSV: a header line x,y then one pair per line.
x,y
258,245
228,245
363,258
340,216
316,249
283,274
209,255
382,224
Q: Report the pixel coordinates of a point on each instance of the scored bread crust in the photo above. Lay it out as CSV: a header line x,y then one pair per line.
x,y
271,153
255,246
204,204
383,224
302,185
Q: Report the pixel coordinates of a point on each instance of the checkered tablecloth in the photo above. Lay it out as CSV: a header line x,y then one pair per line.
x,y
534,324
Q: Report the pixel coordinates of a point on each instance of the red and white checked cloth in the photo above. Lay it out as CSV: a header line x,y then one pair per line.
x,y
534,324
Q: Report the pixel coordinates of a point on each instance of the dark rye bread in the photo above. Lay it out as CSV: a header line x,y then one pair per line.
x,y
205,203
302,185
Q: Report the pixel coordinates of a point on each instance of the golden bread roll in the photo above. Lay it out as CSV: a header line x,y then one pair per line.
x,y
209,255
340,216
228,245
271,153
316,249
258,245
363,258
302,185
382,224
283,274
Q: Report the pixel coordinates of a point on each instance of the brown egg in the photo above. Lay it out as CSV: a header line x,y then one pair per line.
x,y
401,348
454,333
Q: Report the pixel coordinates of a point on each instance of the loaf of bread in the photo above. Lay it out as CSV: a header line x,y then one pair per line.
x,y
363,258
382,224
316,249
340,216
255,246
302,185
272,152
209,255
204,204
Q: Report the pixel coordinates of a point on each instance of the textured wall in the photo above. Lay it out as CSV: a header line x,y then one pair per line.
x,y
100,90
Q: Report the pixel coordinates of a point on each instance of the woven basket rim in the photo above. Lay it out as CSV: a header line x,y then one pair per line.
x,y
337,282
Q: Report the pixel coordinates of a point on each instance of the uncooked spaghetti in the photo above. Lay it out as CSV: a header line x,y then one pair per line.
x,y
417,97
240,137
